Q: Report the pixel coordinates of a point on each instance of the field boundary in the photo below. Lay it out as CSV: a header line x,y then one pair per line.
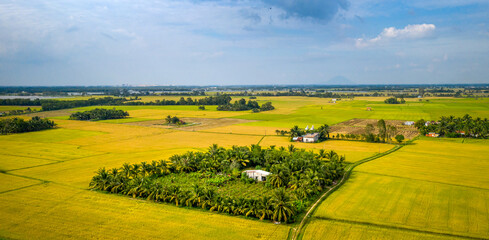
x,y
445,234
424,180
298,231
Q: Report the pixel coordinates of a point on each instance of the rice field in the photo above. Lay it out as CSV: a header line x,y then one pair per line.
x,y
45,176
435,186
432,189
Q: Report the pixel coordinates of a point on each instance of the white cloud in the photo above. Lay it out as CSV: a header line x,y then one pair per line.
x,y
415,31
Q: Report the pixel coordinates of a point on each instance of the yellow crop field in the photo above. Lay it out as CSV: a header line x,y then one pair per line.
x,y
435,186
9,108
44,190
11,162
14,182
437,160
176,139
353,150
411,204
240,129
430,189
326,229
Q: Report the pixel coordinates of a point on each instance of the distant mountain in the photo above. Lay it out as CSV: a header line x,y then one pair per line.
x,y
339,80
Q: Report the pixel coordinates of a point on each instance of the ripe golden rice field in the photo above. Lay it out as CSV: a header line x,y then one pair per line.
x,y
45,194
434,186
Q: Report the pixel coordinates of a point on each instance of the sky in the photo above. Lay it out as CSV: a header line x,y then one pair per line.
x,y
239,42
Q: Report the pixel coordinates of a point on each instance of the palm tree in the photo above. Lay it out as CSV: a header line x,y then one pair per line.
x,y
208,196
174,194
323,132
265,207
101,181
296,131
283,208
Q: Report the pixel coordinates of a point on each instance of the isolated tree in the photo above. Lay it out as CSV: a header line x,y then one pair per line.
x,y
382,129
399,138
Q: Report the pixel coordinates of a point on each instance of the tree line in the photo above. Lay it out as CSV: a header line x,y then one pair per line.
x,y
51,104
19,125
242,105
297,177
99,114
454,127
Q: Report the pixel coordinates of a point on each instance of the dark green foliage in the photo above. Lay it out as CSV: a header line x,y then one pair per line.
x,y
214,180
242,105
393,100
18,125
212,100
99,114
174,120
400,138
49,104
451,126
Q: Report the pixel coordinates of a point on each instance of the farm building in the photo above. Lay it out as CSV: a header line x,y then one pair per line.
x,y
409,123
333,100
297,139
432,134
369,109
312,137
258,175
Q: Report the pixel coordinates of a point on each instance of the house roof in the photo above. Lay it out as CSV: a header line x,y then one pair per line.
x,y
261,172
311,135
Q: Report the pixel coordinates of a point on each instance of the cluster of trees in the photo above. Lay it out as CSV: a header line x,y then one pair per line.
x,y
99,114
322,130
453,127
394,100
242,105
385,133
19,125
174,120
297,176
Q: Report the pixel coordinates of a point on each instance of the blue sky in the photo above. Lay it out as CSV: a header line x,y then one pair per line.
x,y
229,42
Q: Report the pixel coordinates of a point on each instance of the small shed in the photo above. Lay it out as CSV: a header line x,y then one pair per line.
x,y
369,109
310,138
258,175
432,134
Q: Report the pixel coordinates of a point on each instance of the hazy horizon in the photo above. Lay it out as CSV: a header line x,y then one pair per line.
x,y
243,42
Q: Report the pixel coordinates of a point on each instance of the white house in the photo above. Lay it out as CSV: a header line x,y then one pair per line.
x,y
333,100
310,138
258,175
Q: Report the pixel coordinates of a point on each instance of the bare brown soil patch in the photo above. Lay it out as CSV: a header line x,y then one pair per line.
x,y
357,126
193,124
